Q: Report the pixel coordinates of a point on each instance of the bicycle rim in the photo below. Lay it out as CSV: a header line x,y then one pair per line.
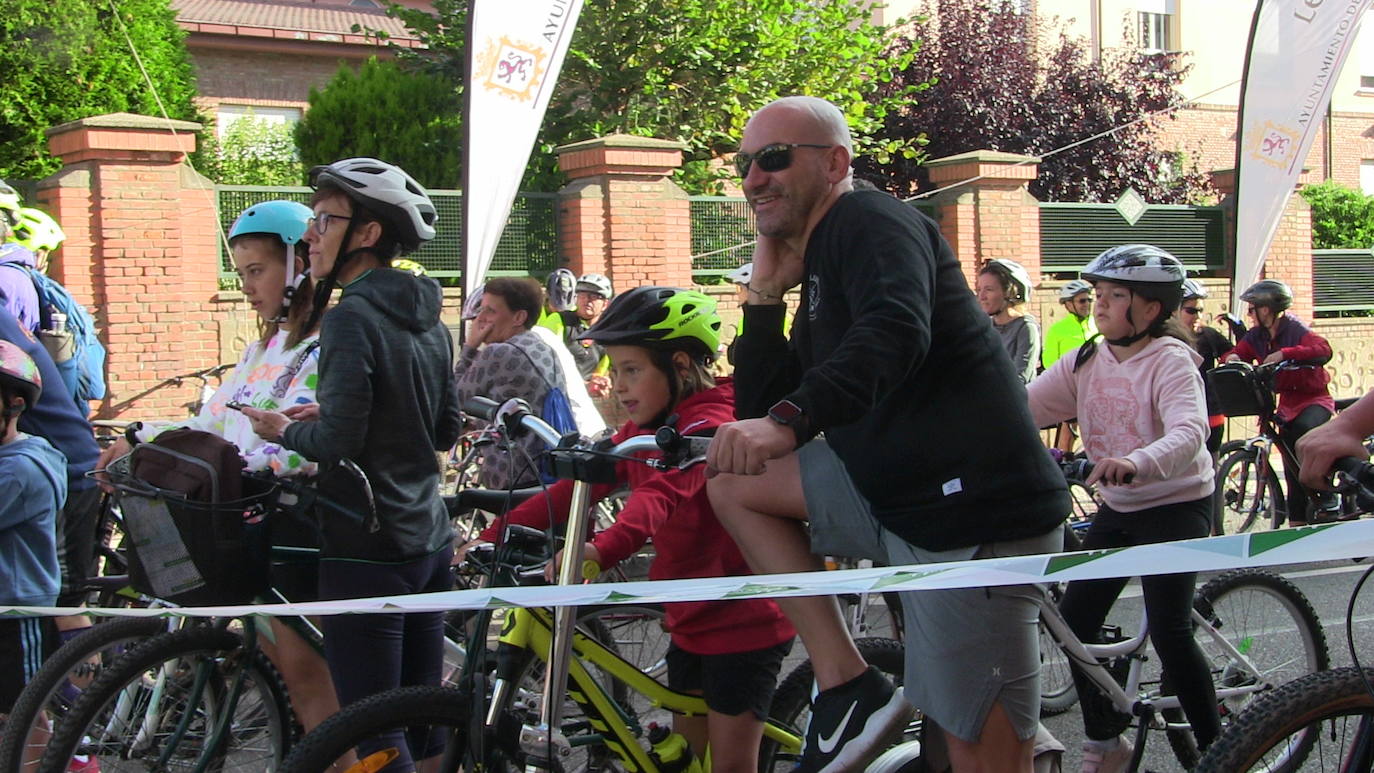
x,y
158,707
1321,722
1246,498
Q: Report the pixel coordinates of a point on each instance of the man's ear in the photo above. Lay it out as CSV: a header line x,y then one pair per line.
x,y
838,163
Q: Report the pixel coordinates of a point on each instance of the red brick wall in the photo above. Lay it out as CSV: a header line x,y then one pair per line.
x,y
277,80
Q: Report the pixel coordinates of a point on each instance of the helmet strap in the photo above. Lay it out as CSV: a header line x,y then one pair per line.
x,y
1130,339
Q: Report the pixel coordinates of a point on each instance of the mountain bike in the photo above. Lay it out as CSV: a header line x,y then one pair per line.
x,y
1319,722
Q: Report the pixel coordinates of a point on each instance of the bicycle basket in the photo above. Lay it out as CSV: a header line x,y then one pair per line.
x,y
1239,390
198,534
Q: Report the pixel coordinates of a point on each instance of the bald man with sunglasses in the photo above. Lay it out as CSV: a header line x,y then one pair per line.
x,y
890,426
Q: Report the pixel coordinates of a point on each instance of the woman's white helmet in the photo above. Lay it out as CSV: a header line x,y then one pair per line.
x,y
388,191
1193,289
1016,273
595,283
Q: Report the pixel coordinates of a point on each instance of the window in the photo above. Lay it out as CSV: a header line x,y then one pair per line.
x,y
228,114
1367,177
1157,25
1366,44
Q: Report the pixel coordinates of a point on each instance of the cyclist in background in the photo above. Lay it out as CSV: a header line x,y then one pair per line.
x,y
1003,287
559,297
1074,328
38,233
1138,398
592,294
661,341
387,401
1305,400
1210,344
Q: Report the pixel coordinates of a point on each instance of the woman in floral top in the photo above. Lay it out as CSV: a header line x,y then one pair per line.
x,y
278,371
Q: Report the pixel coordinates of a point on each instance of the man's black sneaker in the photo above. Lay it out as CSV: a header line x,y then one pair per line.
x,y
852,723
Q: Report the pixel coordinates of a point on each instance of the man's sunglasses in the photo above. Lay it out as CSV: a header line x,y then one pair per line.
x,y
771,158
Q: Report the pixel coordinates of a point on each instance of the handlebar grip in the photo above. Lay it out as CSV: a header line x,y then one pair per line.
x,y
1357,468
481,408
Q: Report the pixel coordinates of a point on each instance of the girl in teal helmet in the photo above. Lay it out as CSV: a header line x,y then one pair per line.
x,y
661,341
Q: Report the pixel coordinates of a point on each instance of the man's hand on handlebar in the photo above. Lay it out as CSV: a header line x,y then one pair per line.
x,y
108,454
1112,471
745,447
1320,448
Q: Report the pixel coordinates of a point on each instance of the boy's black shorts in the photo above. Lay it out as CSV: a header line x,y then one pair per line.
x,y
732,684
25,642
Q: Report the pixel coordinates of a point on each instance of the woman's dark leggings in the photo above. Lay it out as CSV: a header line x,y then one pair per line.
x,y
373,653
1168,607
1311,417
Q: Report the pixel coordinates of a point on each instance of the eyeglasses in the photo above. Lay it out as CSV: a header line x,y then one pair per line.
x,y
321,221
771,158
1190,310
1082,301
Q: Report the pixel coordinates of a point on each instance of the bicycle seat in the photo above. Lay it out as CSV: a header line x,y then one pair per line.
x,y
495,501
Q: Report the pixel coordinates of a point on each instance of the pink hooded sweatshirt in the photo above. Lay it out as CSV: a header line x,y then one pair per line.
x,y
1149,409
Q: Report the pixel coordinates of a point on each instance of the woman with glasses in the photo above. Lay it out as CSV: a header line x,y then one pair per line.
x,y
1211,344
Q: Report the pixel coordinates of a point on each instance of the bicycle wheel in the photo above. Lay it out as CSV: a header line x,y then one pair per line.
x,y
1316,723
1057,692
50,694
438,712
158,708
1244,499
1268,621
792,701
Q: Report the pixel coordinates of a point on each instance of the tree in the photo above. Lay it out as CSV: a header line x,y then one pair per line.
x,y
408,118
69,59
1342,218
252,152
693,71
1001,80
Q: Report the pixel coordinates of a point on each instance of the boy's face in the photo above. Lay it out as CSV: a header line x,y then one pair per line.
x,y
10,426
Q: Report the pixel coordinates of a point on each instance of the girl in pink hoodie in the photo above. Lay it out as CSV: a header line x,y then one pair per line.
x,y
1139,401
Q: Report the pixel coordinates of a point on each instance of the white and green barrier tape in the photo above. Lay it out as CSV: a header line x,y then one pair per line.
x,y
1354,539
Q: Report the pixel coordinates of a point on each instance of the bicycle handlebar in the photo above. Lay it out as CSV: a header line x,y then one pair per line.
x,y
1081,468
1356,476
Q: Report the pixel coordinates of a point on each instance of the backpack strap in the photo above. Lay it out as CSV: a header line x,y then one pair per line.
x,y
283,381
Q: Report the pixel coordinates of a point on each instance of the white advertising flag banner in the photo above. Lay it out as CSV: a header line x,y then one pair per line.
x,y
517,49
1297,49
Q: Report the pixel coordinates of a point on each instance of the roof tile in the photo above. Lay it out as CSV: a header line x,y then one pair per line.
x,y
299,17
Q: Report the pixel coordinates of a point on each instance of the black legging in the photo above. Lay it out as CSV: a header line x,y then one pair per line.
x,y
1168,607
1311,417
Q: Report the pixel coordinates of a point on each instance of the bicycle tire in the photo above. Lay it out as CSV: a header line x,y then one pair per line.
x,y
1307,722
792,700
1284,640
429,708
46,696
260,733
1057,691
1242,501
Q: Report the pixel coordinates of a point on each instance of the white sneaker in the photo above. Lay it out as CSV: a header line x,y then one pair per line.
x,y
1112,760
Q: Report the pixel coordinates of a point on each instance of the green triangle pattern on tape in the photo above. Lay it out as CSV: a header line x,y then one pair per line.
x,y
754,589
616,595
900,577
497,603
1264,541
1061,563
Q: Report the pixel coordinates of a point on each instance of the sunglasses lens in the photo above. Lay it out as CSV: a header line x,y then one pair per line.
x,y
742,163
774,159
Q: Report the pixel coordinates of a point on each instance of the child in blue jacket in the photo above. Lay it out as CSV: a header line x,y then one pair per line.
x,y
33,476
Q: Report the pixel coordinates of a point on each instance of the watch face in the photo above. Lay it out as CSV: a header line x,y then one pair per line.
x,y
784,411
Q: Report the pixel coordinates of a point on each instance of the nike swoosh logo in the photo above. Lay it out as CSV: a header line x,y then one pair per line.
x,y
827,745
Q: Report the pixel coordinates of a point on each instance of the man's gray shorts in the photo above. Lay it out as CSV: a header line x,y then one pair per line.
x,y
965,648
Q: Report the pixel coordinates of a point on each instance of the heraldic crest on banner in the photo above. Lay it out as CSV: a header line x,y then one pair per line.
x,y
512,68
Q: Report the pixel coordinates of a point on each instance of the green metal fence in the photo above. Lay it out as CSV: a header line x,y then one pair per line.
x,y
1343,280
723,235
1073,234
529,245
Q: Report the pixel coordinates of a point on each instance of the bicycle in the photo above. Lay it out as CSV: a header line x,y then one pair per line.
x,y
512,718
1322,721
1249,490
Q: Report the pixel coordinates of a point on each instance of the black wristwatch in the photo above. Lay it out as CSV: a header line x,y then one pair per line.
x,y
791,415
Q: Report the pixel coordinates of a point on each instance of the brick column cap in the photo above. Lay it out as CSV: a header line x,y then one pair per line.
x,y
620,154
120,136
1224,180
983,163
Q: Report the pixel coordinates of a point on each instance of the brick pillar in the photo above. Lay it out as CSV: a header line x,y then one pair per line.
x,y
991,216
140,252
620,213
1289,258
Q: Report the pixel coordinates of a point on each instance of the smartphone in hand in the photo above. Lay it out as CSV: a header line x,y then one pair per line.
x,y
236,406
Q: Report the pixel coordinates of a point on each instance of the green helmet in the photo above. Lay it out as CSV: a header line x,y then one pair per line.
x,y
37,231
660,318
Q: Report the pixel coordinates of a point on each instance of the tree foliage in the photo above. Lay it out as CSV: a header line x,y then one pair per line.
x,y
408,118
1003,80
69,59
252,152
1342,218
694,70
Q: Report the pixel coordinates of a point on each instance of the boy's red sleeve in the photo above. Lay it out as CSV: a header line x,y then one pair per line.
x,y
650,504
